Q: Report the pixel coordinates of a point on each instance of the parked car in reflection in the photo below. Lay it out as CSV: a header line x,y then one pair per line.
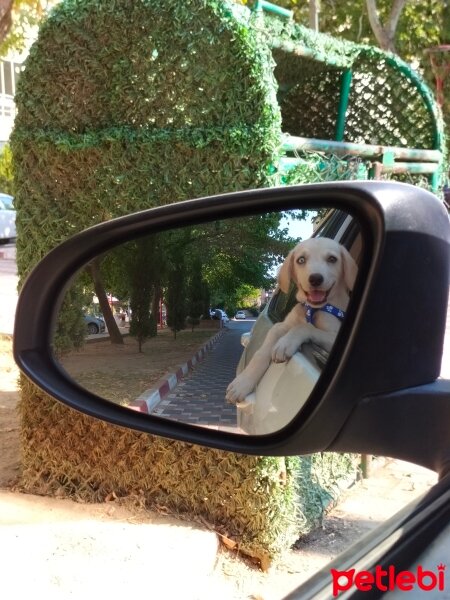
x,y
240,314
7,219
94,325
219,315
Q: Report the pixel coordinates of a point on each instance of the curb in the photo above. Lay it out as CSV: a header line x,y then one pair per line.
x,y
149,399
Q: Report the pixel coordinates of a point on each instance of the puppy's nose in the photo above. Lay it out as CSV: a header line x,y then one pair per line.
x,y
315,279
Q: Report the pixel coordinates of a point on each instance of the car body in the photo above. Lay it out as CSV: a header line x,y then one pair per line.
x,y
241,314
7,219
379,393
94,325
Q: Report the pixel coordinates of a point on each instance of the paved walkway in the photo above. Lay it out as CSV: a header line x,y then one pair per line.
x,y
200,397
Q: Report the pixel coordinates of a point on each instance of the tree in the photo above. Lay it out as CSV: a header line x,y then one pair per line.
x,y
206,300
5,18
175,298
445,34
411,25
195,293
142,324
70,330
17,20
134,272
93,268
141,272
385,33
245,252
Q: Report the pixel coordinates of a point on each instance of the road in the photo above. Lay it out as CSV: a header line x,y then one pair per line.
x,y
200,397
8,287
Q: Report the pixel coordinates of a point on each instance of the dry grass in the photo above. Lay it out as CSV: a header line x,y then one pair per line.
x,y
121,373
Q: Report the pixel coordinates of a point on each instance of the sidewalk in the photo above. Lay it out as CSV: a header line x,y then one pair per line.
x,y
58,549
68,551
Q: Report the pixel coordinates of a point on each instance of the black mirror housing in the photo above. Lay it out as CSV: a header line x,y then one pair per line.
x,y
392,339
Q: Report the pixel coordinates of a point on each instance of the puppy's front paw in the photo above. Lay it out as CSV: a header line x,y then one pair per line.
x,y
283,350
239,388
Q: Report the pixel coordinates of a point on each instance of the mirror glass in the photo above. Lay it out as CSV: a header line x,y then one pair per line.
x,y
225,324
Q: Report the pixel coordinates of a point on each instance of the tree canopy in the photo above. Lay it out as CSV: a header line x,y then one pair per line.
x,y
17,20
228,261
403,26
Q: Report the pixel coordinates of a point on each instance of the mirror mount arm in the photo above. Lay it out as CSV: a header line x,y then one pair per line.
x,y
405,417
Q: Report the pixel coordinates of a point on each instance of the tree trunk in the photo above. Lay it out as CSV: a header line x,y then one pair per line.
x,y
156,307
314,9
385,34
113,329
5,18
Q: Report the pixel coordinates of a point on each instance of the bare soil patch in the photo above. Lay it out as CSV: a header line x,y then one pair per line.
x,y
121,373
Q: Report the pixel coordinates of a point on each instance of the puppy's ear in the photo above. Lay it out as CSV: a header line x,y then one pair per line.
x,y
285,272
350,268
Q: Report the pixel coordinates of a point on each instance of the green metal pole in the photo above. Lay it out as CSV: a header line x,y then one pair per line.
x,y
269,7
435,180
291,143
346,82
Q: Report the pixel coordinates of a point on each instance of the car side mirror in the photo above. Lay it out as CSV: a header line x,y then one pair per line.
x,y
364,300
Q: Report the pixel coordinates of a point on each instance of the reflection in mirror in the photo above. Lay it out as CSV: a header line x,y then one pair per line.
x,y
225,325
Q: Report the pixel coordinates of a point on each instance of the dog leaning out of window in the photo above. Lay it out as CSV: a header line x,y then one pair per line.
x,y
324,273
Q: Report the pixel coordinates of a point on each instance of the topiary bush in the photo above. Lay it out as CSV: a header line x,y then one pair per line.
x,y
123,106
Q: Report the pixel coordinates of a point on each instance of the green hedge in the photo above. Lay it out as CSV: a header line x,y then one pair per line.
x,y
124,106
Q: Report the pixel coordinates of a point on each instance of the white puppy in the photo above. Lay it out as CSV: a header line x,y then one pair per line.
x,y
324,273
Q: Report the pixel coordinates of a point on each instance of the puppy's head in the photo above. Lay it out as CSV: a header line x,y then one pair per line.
x,y
321,268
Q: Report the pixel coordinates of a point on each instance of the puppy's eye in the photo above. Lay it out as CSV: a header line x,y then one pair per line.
x,y
332,259
301,260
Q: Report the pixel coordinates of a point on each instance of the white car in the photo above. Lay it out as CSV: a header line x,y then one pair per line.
x,y
240,314
7,219
219,314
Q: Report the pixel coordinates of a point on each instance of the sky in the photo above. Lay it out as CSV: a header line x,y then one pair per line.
x,y
302,229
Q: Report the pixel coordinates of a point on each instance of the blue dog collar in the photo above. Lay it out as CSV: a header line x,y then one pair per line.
x,y
329,308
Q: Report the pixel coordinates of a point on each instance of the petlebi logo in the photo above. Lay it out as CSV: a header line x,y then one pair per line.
x,y
389,579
